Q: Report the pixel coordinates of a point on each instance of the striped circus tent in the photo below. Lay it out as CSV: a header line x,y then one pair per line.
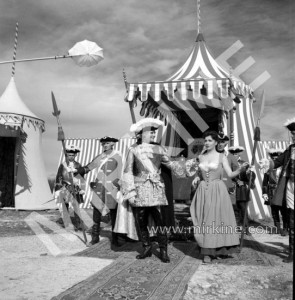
x,y
202,95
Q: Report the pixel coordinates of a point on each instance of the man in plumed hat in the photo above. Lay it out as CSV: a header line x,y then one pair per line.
x,y
67,194
284,194
233,163
269,186
108,167
143,185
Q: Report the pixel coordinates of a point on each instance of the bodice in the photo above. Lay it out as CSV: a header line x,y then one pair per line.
x,y
211,171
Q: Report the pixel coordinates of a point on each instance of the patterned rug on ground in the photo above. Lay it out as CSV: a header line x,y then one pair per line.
x,y
129,278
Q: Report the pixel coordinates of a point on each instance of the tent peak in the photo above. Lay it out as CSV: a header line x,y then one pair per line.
x,y
200,38
11,102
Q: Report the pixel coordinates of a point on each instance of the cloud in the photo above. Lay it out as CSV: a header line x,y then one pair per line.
x,y
150,40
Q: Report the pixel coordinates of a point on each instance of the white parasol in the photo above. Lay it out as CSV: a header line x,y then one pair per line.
x,y
85,54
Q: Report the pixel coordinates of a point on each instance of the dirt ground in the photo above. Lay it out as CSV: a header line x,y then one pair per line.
x,y
42,266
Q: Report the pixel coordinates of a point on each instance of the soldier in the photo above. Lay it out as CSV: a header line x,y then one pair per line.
x,y
284,194
269,185
67,194
233,163
241,188
108,167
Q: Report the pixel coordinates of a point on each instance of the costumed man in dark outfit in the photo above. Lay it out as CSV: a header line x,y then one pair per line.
x,y
108,166
64,191
284,194
233,163
143,186
269,186
242,184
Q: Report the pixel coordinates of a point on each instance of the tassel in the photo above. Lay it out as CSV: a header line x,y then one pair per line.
x,y
257,134
60,135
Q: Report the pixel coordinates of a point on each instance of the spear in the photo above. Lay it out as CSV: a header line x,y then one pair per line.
x,y
256,140
61,137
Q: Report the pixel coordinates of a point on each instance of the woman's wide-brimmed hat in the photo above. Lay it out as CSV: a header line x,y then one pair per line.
x,y
146,123
72,149
236,149
290,124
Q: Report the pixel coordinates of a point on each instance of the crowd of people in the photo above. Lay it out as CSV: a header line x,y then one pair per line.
x,y
133,191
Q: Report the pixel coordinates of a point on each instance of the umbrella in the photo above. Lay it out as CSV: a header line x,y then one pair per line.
x,y
84,53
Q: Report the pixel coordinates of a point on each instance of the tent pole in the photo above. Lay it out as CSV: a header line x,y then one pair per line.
x,y
132,112
231,127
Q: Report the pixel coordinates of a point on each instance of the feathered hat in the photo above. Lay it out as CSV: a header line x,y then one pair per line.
x,y
274,151
144,123
235,149
290,124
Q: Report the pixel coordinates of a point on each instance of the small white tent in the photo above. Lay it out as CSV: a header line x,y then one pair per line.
x,y
23,180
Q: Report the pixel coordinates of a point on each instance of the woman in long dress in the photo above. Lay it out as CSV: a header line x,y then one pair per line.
x,y
215,227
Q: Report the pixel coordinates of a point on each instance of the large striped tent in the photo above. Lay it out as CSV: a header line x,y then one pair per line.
x,y
200,95
90,148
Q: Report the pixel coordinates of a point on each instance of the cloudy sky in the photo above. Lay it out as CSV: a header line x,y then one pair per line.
x,y
150,39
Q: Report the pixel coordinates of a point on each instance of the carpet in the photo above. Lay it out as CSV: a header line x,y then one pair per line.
x,y
129,278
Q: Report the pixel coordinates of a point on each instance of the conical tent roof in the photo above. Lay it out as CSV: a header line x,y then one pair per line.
x,y
11,103
200,64
200,70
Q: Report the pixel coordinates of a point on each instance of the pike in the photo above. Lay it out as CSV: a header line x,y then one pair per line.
x,y
61,137
256,140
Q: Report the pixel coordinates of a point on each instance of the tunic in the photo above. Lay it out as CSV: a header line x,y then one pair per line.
x,y
106,184
142,177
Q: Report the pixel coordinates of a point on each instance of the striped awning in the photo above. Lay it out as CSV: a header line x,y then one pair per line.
x,y
200,71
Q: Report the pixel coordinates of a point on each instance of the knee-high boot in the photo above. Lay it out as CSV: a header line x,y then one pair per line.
x,y
291,237
113,213
95,227
163,241
286,220
142,231
95,234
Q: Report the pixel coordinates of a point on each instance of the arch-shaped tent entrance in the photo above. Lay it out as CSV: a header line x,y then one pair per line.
x,y
7,170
